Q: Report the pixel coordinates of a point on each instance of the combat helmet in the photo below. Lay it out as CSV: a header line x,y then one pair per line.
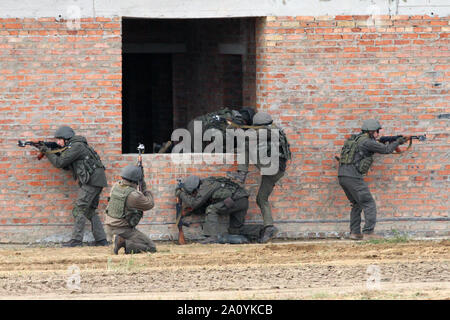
x,y
371,125
132,173
262,118
64,132
191,183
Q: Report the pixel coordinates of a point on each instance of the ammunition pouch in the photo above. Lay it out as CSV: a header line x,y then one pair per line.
x,y
133,217
364,165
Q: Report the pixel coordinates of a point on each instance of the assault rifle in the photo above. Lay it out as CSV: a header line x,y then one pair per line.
x,y
141,149
389,139
179,217
53,146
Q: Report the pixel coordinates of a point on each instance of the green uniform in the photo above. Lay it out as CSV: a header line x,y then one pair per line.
x,y
268,182
213,197
356,189
214,121
88,169
125,209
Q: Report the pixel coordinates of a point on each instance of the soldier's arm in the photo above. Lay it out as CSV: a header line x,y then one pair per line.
x,y
142,201
198,200
377,147
67,157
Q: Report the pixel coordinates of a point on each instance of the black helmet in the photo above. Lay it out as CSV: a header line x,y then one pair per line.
x,y
191,183
262,118
132,173
64,132
247,114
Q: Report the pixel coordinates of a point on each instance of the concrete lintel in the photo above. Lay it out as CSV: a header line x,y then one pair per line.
x,y
69,9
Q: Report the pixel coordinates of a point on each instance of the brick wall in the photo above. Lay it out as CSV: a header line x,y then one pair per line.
x,y
318,76
321,76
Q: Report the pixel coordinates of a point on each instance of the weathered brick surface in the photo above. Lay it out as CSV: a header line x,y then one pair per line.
x,y
318,77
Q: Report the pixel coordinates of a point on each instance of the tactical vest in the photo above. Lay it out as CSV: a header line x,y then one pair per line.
x,y
351,153
84,168
284,146
226,189
117,205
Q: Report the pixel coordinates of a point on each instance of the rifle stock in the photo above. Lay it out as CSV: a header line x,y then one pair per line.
x,y
180,214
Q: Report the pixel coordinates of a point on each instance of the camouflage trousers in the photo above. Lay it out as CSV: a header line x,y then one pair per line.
x,y
360,198
262,198
135,240
237,215
84,209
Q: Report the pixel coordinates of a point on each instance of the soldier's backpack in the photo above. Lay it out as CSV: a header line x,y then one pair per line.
x,y
351,149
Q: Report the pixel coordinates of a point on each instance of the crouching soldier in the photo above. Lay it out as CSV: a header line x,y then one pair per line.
x,y
125,210
87,168
216,196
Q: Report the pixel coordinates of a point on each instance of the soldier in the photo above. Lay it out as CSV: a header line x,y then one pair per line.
x,y
89,170
354,162
216,196
263,121
218,120
125,209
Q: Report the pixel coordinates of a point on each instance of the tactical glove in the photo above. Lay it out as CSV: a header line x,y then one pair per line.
x,y
43,148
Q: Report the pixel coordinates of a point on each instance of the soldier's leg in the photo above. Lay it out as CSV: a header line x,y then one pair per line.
x,y
96,224
369,206
81,206
136,242
348,185
262,198
211,227
237,214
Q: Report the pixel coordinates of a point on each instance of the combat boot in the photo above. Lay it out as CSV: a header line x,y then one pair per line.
x,y
239,176
118,242
73,243
269,233
102,243
356,236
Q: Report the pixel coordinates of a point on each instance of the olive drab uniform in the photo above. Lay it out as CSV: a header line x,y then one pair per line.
x,y
267,181
124,211
355,161
215,121
217,196
88,169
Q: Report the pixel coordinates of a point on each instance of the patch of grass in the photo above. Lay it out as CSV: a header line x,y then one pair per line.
x,y
398,237
128,265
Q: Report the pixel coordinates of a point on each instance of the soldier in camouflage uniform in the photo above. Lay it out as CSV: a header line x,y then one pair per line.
x,y
216,196
217,120
125,209
354,162
88,169
263,121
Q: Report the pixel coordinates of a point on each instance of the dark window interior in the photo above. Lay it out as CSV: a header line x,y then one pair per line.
x,y
174,70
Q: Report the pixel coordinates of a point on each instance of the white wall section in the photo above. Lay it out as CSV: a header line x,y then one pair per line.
x,y
66,9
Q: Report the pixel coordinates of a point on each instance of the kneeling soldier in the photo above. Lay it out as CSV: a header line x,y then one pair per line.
x,y
217,196
125,210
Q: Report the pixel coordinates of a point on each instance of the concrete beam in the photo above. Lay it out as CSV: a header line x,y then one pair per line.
x,y
70,9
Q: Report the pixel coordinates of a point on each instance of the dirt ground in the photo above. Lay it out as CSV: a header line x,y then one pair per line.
x,y
328,269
